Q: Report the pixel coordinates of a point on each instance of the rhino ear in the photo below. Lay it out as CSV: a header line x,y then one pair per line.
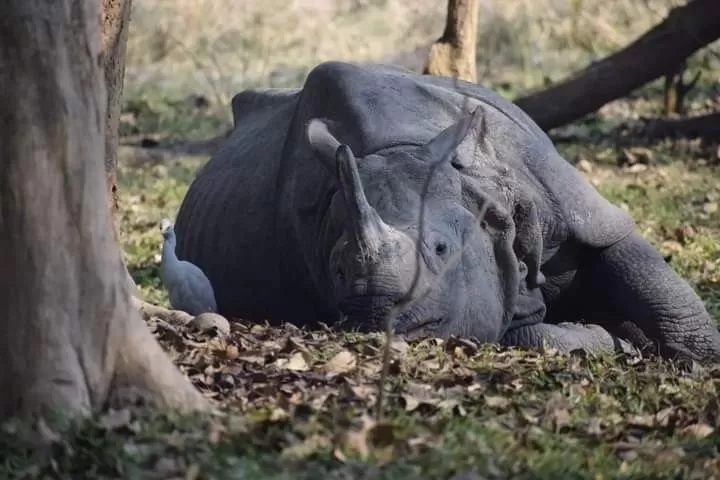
x,y
323,143
445,144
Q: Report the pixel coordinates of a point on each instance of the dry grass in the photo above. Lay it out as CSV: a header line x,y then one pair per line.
x,y
218,47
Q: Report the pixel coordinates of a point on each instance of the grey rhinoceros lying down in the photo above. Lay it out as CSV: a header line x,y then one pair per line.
x,y
311,211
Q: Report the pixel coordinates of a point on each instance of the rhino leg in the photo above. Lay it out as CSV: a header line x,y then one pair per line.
x,y
567,337
630,290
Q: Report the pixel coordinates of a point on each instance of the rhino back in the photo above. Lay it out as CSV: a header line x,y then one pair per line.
x,y
226,220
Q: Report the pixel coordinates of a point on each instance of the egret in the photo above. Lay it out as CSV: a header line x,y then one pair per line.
x,y
188,287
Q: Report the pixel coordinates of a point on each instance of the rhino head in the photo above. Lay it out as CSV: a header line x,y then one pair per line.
x,y
405,235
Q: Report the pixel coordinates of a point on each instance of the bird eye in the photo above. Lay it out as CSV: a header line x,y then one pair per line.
x,y
441,248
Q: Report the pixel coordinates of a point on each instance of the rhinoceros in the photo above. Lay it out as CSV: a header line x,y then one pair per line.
x,y
328,202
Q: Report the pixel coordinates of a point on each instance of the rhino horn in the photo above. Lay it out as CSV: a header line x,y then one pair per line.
x,y
444,144
323,143
367,227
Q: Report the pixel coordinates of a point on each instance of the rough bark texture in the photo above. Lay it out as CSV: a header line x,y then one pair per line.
x,y
703,126
659,51
453,54
70,337
115,20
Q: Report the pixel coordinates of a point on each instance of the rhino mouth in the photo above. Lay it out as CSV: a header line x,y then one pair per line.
x,y
370,314
407,323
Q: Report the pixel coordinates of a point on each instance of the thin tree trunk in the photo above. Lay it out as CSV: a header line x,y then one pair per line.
x,y
453,54
115,21
70,338
659,51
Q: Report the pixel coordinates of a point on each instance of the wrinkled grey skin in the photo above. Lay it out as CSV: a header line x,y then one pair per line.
x,y
310,212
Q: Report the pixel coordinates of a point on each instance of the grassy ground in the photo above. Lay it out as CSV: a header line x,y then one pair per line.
x,y
299,404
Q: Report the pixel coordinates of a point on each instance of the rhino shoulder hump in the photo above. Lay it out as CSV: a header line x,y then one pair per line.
x,y
250,101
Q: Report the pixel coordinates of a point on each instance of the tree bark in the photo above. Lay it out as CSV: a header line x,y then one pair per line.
x,y
676,88
659,51
115,20
70,340
453,54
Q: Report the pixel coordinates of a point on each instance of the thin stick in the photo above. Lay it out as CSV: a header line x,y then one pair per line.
x,y
410,298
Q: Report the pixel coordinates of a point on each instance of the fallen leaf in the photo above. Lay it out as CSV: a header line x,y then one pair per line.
x,y
710,207
698,430
411,403
344,361
231,352
167,466
296,363
114,419
305,448
192,472
585,166
399,345
637,168
365,392
43,435
381,434
557,412
252,358
641,420
496,401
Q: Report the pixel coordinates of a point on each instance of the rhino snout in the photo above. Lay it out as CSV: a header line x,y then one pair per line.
x,y
365,312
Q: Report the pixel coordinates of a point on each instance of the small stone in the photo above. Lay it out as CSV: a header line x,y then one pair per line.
x,y
208,321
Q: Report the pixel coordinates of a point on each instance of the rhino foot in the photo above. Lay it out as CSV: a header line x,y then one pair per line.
x,y
567,337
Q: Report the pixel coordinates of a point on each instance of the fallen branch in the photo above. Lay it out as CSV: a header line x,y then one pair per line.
x,y
147,151
661,50
704,126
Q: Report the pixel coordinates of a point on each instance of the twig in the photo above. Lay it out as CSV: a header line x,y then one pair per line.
x,y
411,297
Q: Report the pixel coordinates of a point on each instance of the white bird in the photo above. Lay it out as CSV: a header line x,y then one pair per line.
x,y
188,288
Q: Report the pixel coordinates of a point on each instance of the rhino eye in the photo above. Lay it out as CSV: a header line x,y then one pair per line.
x,y
441,248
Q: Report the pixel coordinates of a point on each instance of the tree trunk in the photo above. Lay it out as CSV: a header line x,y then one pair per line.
x,y
115,20
70,337
659,51
453,54
676,88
